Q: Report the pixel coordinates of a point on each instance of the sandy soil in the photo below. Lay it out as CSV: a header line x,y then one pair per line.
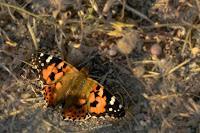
x,y
147,53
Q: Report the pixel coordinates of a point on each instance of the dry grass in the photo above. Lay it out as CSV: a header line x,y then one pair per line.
x,y
161,93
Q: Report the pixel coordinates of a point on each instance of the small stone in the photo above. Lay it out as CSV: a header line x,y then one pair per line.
x,y
112,50
128,42
156,50
139,71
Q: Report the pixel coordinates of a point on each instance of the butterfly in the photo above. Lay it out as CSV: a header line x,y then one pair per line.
x,y
81,96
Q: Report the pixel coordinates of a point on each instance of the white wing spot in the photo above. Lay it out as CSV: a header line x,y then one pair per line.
x,y
110,109
49,58
112,101
120,106
41,54
42,64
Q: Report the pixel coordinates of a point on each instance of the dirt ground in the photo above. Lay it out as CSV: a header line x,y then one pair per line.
x,y
146,52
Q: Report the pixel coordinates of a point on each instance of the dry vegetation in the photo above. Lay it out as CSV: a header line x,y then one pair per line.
x,y
146,52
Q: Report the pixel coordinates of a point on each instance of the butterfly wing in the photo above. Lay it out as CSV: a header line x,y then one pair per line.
x,y
90,97
102,102
52,70
81,95
76,107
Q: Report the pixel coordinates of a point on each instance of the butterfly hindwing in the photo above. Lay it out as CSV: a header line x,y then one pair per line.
x,y
77,110
102,102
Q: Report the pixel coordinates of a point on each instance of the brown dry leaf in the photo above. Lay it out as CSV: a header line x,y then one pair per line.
x,y
119,25
115,33
195,51
128,42
118,29
11,43
107,6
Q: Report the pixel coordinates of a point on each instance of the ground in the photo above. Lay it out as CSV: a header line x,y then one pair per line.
x,y
147,53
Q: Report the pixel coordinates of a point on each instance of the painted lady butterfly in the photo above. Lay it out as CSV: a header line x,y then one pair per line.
x,y
80,95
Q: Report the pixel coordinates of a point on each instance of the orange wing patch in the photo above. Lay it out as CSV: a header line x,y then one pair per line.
x,y
46,72
75,112
49,95
97,100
